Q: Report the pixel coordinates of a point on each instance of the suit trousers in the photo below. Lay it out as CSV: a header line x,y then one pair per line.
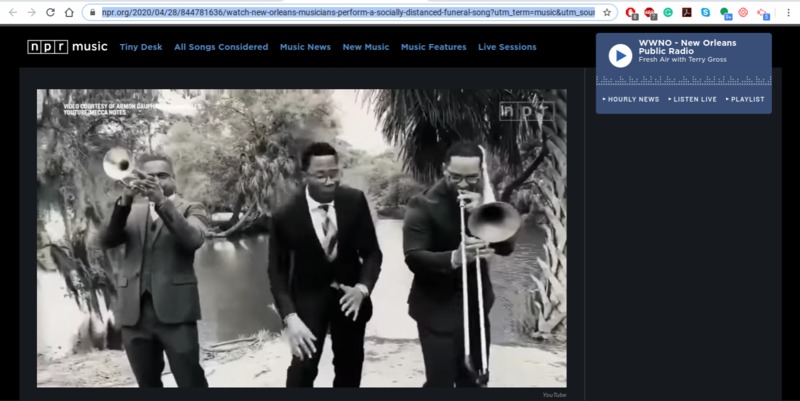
x,y
347,343
443,354
147,341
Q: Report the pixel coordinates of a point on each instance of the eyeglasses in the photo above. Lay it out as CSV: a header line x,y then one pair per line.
x,y
323,176
456,178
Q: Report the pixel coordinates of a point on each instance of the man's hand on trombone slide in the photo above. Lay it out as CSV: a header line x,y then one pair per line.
x,y
474,248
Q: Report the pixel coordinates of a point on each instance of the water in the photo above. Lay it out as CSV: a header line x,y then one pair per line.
x,y
236,300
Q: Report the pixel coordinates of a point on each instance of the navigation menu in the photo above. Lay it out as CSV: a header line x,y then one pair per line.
x,y
325,47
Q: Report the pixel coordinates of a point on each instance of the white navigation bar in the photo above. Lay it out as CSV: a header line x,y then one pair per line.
x,y
293,12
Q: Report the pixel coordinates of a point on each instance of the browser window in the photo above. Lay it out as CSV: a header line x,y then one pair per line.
x,y
240,199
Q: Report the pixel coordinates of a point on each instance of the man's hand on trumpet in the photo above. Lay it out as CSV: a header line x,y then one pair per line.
x,y
128,193
143,185
133,187
474,248
151,190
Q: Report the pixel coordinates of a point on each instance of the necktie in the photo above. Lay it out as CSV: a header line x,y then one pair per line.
x,y
329,231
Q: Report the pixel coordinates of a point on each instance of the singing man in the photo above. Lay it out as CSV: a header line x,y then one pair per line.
x,y
324,261
432,246
159,304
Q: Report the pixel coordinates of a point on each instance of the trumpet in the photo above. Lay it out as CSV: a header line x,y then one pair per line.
x,y
118,163
492,222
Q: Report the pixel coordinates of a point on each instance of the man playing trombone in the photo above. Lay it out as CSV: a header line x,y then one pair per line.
x,y
433,230
159,304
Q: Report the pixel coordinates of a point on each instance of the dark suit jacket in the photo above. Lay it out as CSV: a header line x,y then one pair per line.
x,y
431,232
169,252
299,272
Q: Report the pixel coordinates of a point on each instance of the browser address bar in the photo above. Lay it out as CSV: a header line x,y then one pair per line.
x,y
349,13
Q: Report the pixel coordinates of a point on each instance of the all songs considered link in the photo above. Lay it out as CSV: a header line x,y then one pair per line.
x,y
371,12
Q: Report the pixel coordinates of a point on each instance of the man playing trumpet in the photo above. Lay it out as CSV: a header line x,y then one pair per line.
x,y
432,243
159,304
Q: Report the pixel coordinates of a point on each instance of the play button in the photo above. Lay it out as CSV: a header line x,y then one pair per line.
x,y
620,56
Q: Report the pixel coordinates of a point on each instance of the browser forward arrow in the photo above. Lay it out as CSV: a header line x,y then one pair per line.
x,y
31,12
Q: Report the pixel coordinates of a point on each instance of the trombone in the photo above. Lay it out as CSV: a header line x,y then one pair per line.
x,y
492,222
118,163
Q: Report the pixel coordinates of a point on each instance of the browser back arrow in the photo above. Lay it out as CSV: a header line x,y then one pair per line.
x,y
31,12
12,12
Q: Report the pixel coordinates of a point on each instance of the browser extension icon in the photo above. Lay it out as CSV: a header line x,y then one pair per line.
x,y
728,17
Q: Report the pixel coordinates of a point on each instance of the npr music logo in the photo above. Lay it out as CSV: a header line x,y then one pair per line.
x,y
48,47
526,111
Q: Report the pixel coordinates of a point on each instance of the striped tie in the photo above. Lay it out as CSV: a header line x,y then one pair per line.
x,y
329,231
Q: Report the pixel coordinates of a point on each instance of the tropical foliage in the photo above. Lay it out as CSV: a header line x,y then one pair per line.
x,y
73,192
242,149
238,151
532,175
388,182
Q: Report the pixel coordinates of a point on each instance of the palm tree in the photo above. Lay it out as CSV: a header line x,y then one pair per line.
x,y
424,123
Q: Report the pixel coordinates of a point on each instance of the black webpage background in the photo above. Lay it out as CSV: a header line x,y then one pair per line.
x,y
613,269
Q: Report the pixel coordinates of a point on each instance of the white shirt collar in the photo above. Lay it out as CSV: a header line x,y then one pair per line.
x,y
153,213
314,205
